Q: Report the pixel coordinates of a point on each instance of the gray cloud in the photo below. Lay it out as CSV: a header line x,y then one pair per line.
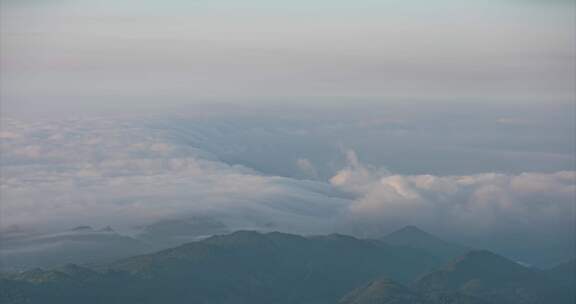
x,y
97,171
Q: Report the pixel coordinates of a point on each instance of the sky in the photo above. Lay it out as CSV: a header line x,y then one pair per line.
x,y
310,117
130,53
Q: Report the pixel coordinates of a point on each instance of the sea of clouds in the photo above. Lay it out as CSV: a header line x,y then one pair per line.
x,y
132,172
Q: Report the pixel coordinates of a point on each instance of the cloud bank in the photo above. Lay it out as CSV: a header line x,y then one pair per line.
x,y
481,204
98,172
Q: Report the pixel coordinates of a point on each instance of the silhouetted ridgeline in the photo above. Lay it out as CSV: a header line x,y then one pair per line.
x,y
251,267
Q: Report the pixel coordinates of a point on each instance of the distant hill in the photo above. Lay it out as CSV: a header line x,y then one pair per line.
x,y
411,236
242,267
174,232
383,291
478,277
485,275
22,250
82,244
247,267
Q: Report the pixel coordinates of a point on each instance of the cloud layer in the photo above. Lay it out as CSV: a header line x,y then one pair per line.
x,y
480,204
501,49
58,175
98,171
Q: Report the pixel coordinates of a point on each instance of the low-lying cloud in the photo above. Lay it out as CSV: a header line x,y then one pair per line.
x,y
477,204
98,172
123,174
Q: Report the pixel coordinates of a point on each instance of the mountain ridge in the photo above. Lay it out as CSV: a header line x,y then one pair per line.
x,y
412,236
250,267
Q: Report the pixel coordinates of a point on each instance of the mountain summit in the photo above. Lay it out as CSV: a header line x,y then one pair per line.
x,y
478,277
261,268
414,237
486,275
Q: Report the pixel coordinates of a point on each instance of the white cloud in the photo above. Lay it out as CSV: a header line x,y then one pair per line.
x,y
473,204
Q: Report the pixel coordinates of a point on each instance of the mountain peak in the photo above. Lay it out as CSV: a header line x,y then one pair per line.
x,y
484,256
485,263
484,274
412,236
239,237
410,229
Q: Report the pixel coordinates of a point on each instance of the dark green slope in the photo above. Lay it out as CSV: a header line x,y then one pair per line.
x,y
478,277
251,267
414,237
493,278
383,291
79,245
242,267
564,275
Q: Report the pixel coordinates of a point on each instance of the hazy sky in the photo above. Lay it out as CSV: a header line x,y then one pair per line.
x,y
132,53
